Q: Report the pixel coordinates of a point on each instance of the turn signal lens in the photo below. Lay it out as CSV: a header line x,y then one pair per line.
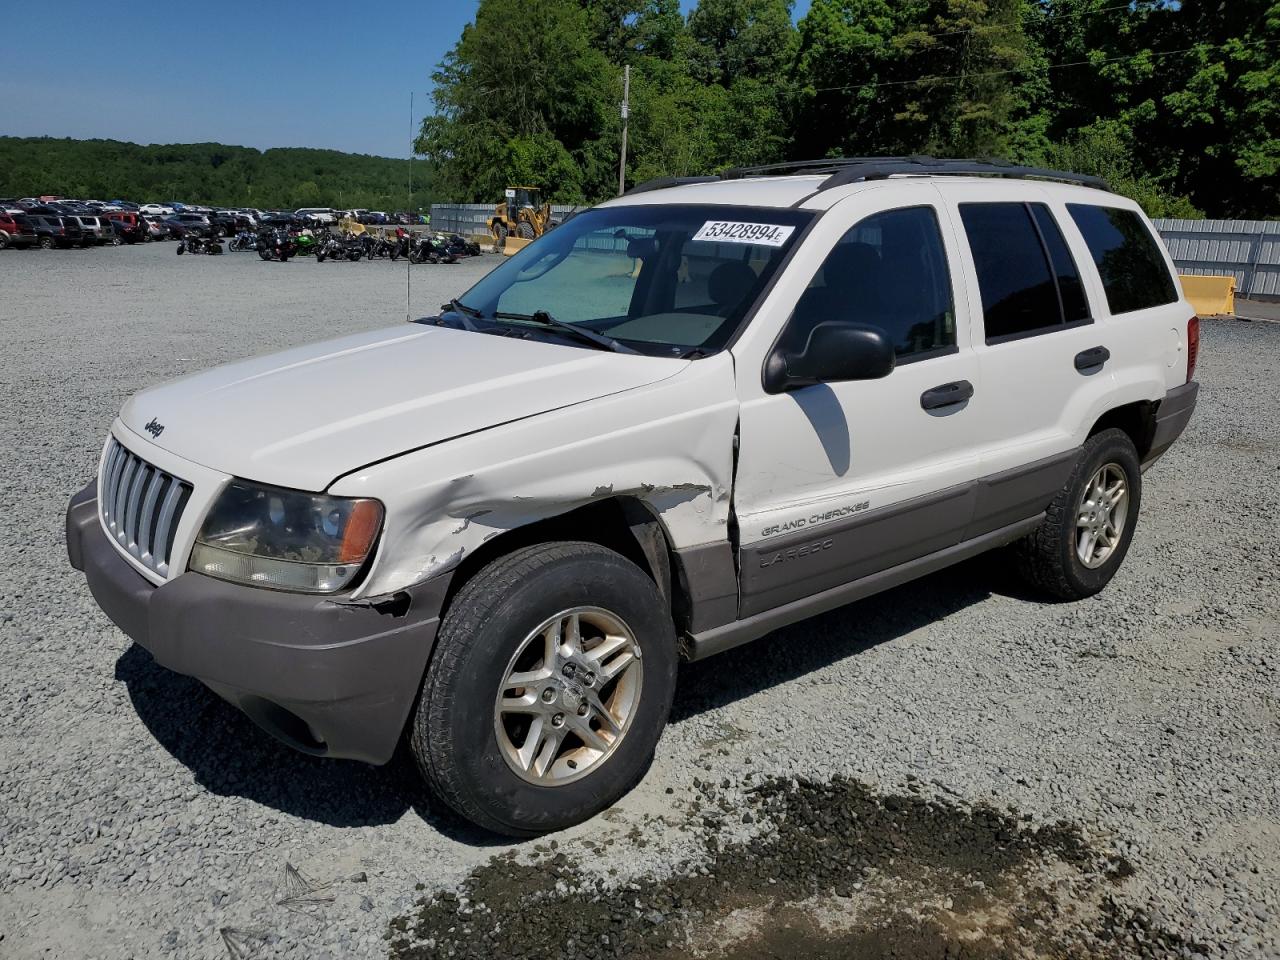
x,y
1193,346
361,530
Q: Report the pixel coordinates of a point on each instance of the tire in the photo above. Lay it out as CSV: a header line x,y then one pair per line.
x,y
1049,558
181,245
116,242
455,733
4,241
525,230
46,243
500,233
264,254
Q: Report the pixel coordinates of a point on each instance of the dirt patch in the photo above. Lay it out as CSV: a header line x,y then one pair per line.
x,y
833,871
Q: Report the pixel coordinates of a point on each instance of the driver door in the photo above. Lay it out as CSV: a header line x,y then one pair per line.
x,y
837,481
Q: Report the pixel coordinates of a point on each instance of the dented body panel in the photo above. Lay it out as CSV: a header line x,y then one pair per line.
x,y
668,445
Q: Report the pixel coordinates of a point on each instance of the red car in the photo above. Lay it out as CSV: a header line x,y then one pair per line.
x,y
16,231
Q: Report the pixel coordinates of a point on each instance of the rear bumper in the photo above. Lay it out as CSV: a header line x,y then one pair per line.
x,y
1172,416
329,678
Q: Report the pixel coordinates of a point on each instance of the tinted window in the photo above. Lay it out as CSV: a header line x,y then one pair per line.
x,y
1133,272
1018,291
888,271
1074,304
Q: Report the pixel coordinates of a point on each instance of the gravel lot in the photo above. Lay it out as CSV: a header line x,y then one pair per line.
x,y
950,766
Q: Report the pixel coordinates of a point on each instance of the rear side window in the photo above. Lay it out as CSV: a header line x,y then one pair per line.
x,y
1028,281
887,271
1133,272
1074,305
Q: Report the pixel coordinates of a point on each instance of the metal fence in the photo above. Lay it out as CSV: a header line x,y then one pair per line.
x,y
474,217
1248,250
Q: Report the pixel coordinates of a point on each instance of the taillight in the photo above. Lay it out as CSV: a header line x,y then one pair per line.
x,y
1193,346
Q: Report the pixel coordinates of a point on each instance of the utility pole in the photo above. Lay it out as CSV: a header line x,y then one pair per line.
x,y
626,111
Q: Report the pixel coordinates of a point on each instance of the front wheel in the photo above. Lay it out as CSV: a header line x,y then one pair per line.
x,y
264,254
548,689
1088,527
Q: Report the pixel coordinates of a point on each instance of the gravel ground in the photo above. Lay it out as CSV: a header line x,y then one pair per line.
x,y
953,768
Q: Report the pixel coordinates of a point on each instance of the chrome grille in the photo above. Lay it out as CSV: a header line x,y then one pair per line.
x,y
141,506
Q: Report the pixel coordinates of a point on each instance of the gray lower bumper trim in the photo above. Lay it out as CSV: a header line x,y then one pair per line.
x,y
1172,417
327,677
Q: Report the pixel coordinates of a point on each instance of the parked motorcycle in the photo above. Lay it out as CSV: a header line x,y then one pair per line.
x,y
426,250
276,244
243,241
459,244
330,246
194,243
375,248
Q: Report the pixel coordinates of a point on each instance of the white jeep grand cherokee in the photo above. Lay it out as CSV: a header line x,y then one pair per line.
x,y
677,422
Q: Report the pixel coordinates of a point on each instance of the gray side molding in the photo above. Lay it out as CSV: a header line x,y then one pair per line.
x,y
750,628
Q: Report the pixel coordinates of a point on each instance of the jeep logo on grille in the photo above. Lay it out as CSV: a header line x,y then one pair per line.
x,y
155,428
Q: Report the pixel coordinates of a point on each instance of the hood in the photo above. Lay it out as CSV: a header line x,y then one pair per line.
x,y
305,417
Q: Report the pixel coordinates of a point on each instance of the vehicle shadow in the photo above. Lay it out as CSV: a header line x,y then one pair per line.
x,y
230,756
830,637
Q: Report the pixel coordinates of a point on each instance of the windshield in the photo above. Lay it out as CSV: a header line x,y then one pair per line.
x,y
662,278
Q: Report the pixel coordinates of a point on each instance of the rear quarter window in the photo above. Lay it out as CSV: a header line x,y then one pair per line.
x,y
1133,272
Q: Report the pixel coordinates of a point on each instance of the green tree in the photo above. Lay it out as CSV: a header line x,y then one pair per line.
x,y
525,70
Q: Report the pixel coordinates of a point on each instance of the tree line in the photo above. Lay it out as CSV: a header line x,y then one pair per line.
x,y
208,173
1176,103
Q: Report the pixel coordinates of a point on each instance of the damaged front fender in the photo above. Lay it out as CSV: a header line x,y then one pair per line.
x,y
667,445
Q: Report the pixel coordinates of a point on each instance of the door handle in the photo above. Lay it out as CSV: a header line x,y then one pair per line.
x,y
1093,357
946,395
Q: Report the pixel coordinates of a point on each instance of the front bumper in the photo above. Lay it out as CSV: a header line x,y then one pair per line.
x,y
327,677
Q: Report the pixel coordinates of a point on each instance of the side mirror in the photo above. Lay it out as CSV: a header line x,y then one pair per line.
x,y
835,351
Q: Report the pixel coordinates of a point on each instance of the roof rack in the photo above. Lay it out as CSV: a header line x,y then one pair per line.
x,y
842,170
662,183
881,168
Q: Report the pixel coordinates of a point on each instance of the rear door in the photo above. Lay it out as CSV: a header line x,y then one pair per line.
x,y
1042,351
836,481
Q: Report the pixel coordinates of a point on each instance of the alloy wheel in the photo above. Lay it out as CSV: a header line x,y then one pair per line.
x,y
1101,515
568,696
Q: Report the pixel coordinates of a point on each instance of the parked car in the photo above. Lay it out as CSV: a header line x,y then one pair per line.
x,y
53,230
124,231
793,391
96,230
180,224
16,230
317,214
156,209
156,227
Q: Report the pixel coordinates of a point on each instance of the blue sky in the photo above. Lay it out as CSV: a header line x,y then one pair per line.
x,y
268,73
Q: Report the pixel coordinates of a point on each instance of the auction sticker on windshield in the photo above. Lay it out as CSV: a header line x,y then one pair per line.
x,y
732,231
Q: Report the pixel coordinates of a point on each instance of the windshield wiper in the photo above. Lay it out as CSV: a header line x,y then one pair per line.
x,y
463,312
545,319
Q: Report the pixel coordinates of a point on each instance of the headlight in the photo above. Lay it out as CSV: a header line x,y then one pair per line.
x,y
269,537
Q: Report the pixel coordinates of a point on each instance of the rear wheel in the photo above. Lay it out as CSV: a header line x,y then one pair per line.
x,y
46,243
500,235
1088,527
548,689
4,241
